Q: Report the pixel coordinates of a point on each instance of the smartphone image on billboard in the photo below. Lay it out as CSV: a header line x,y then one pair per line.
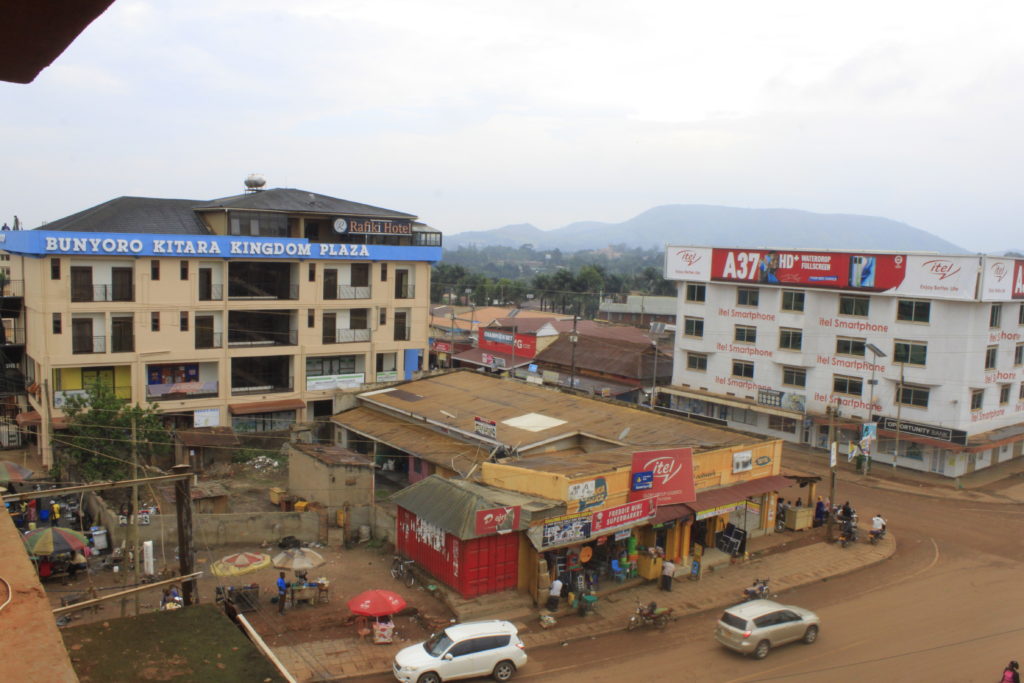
x,y
862,271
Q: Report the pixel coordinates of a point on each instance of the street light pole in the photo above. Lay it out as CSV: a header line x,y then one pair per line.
x,y
876,353
899,414
573,338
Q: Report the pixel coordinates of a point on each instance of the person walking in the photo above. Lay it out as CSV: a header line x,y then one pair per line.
x,y
54,513
668,572
282,592
1011,673
554,595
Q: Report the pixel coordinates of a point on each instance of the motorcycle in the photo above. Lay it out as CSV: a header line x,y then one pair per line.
x,y
876,535
759,591
848,534
646,615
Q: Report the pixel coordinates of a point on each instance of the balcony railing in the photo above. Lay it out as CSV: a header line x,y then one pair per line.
x,y
181,391
261,290
349,292
247,338
262,389
103,293
83,344
211,293
12,335
12,288
208,340
347,336
403,333
405,291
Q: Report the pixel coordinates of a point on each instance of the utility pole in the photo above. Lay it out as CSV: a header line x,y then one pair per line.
x,y
899,413
833,456
451,333
135,509
186,550
573,338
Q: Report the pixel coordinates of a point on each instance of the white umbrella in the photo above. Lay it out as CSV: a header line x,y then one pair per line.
x,y
298,559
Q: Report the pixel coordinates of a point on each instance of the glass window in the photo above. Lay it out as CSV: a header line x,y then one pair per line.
x,y
693,327
183,321
184,270
853,305
791,339
154,321
310,317
383,272
848,346
746,334
914,311
1018,355
696,293
746,296
782,424
1004,394
257,224
914,353
57,323
1021,395
842,384
697,361
977,399
743,368
990,357
1020,315
995,315
909,395
794,377
55,269
312,272
154,269
792,301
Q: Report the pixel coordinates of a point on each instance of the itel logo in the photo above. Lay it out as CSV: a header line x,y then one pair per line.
x,y
999,271
941,267
688,257
664,468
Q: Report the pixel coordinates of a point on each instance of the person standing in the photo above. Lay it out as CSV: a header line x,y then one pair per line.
x,y
54,513
1011,673
668,572
282,593
554,595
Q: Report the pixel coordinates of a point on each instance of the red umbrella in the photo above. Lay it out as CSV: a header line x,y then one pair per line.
x,y
376,603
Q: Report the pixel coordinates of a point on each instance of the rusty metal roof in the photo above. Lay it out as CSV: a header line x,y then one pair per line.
x,y
332,455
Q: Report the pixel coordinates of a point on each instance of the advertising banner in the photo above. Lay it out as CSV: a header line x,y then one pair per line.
x,y
497,519
565,531
502,341
622,514
688,263
486,428
1002,279
672,476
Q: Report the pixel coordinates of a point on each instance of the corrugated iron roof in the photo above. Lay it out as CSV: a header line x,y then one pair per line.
x,y
620,358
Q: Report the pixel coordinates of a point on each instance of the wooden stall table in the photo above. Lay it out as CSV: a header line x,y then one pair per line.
x,y
304,594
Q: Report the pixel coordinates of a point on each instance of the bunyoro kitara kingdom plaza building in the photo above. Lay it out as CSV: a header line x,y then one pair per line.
x,y
250,311
789,343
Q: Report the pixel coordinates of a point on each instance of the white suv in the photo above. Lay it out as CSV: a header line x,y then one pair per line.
x,y
477,648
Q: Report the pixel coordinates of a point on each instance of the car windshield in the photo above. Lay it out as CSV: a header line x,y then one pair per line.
x,y
734,621
438,643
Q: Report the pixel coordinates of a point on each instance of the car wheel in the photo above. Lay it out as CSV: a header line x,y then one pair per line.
x,y
504,671
762,649
811,634
429,677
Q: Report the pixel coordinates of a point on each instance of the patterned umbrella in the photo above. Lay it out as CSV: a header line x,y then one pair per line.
x,y
376,603
51,540
298,559
240,563
12,471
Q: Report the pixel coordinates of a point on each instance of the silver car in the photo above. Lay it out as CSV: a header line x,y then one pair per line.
x,y
755,627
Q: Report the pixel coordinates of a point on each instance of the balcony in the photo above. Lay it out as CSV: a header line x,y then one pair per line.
x,y
12,335
12,288
211,292
209,340
272,290
244,338
92,293
342,336
347,292
261,389
86,344
405,291
122,343
403,333
182,390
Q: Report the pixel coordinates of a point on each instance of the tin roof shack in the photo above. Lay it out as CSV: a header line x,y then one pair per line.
x,y
205,447
208,497
468,535
335,477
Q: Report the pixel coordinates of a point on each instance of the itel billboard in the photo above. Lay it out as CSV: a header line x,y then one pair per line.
x,y
666,476
1002,279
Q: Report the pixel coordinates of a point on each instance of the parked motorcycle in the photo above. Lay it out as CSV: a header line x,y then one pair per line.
x,y
758,591
646,615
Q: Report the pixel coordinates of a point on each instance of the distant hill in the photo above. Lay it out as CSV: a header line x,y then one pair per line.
x,y
718,226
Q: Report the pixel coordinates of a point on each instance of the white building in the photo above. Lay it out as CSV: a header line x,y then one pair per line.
x,y
930,347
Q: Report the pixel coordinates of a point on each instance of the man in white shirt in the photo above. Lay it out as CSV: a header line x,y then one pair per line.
x,y
554,595
668,571
877,525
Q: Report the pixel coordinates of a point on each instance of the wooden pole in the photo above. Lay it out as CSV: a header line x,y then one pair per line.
x,y
832,454
186,551
103,486
46,427
136,555
120,594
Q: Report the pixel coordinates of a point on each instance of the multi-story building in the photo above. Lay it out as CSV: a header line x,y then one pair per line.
x,y
250,311
930,348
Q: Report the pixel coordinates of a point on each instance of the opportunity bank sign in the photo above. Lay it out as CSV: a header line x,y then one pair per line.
x,y
43,243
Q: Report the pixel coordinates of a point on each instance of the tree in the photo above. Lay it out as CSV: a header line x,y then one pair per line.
x,y
100,424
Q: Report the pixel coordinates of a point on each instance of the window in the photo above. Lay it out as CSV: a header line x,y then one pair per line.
x,y
1020,315
853,305
383,272
1018,355
746,297
782,424
746,334
55,269
914,353
995,315
184,321
791,339
383,316
842,384
977,399
154,321
312,272
990,357
1021,395
742,368
154,269
698,361
184,270
792,301
909,395
696,293
913,311
1004,394
258,224
849,346
794,377
56,323
693,327
310,317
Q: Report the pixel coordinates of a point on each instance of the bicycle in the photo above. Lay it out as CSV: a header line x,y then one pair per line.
x,y
402,571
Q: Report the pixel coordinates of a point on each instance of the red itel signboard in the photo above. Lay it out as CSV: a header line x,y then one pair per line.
x,y
835,270
497,519
667,476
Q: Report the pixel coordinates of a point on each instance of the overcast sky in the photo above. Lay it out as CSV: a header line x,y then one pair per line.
x,y
476,114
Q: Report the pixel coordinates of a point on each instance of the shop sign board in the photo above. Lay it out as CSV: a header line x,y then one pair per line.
x,y
720,510
566,530
442,346
495,520
938,433
643,481
485,428
623,535
582,489
619,515
325,382
206,417
742,461
1002,279
671,473
502,341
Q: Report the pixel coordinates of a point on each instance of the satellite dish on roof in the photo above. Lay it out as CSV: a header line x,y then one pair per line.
x,y
254,182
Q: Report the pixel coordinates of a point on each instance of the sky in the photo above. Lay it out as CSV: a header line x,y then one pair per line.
x,y
474,114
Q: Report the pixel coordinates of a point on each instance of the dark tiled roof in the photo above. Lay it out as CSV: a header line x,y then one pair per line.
x,y
135,215
591,328
629,360
298,201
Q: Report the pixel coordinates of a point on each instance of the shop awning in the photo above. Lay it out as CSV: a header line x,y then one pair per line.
x,y
667,513
32,418
266,406
727,495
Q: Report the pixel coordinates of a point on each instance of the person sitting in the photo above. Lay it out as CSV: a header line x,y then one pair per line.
x,y
301,576
877,525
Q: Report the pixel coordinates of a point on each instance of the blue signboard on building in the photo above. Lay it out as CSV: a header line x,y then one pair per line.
x,y
643,481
